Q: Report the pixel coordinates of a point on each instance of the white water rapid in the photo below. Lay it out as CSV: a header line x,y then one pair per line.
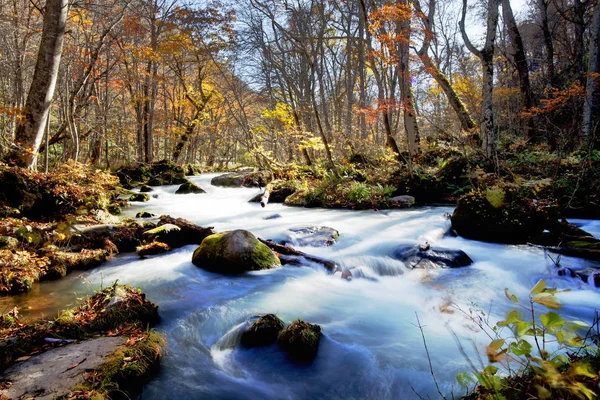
x,y
371,348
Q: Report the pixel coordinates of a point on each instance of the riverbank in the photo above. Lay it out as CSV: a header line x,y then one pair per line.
x,y
103,348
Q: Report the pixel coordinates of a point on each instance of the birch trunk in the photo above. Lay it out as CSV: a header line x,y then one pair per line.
x,y
29,135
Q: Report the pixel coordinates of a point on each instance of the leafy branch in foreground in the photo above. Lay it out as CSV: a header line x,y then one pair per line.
x,y
544,356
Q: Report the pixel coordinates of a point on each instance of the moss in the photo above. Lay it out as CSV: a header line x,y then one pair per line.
x,y
189,187
124,373
142,197
234,252
263,331
516,220
110,309
593,244
300,340
144,214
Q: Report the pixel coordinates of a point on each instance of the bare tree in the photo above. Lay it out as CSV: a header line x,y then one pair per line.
x,y
486,56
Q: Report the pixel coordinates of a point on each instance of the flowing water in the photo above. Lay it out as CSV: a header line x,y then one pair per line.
x,y
372,347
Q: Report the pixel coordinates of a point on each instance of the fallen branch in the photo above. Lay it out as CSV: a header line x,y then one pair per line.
x,y
289,255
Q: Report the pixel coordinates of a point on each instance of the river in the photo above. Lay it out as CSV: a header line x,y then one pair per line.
x,y
371,348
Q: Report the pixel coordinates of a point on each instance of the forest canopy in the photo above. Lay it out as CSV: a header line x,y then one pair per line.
x,y
269,82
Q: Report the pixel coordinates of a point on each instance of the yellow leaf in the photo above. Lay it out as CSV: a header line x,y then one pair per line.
x,y
547,300
539,287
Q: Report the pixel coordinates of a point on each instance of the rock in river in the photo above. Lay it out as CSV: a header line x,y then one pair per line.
x,y
497,215
314,236
263,331
234,252
426,257
300,340
189,187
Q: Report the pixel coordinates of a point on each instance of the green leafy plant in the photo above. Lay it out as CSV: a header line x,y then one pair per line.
x,y
536,354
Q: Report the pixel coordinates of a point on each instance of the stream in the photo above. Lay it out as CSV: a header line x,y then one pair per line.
x,y
372,347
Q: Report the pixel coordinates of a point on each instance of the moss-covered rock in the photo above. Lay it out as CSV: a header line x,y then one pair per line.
x,y
156,174
300,340
165,233
72,189
234,252
140,197
189,187
241,179
263,331
112,308
497,215
144,214
146,189
62,262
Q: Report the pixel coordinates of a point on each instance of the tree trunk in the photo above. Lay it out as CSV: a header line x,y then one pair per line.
x,y
466,122
383,106
486,55
408,107
591,88
548,44
522,66
29,135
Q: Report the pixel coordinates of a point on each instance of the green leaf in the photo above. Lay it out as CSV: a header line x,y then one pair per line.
x,y
511,296
521,348
552,320
490,370
465,379
539,287
547,300
522,327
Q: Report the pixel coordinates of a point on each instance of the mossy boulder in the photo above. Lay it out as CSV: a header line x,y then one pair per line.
x,y
263,331
189,187
300,340
241,179
167,233
139,197
234,179
234,252
144,214
497,215
156,174
112,308
146,189
62,262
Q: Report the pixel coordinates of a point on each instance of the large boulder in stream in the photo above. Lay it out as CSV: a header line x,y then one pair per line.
x,y
497,215
313,236
234,252
189,188
263,331
300,340
427,257
241,179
